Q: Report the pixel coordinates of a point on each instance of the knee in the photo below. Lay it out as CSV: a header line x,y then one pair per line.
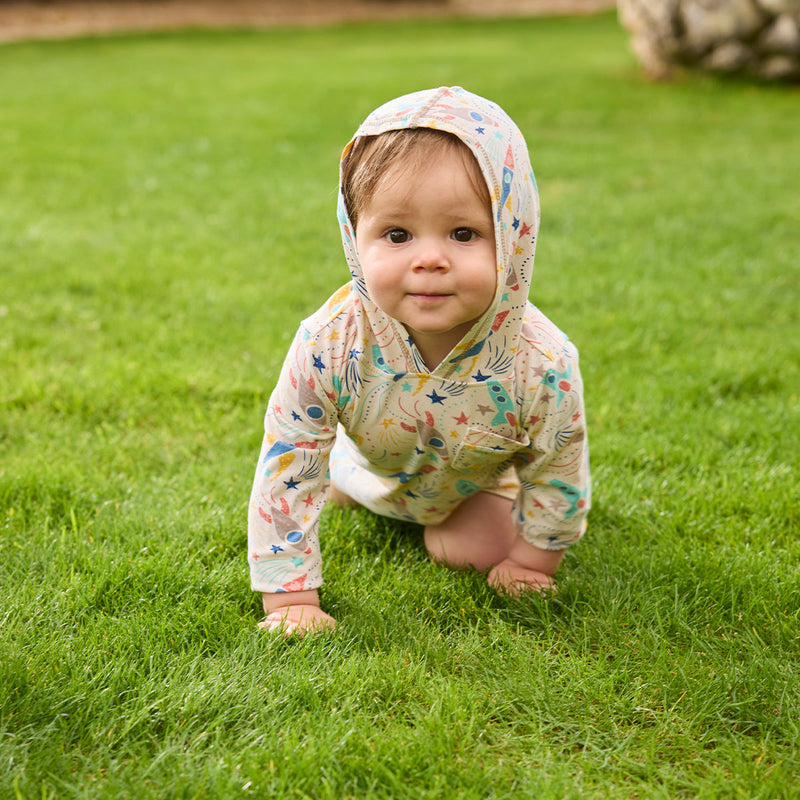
x,y
339,498
434,544
445,548
454,549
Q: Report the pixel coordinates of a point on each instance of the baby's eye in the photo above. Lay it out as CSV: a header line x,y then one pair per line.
x,y
397,236
464,234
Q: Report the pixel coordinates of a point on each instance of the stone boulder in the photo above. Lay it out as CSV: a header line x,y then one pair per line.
x,y
760,38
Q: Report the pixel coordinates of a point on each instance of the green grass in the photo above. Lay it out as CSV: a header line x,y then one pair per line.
x,y
167,217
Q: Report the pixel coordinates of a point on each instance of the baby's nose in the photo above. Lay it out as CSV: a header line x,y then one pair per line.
x,y
431,255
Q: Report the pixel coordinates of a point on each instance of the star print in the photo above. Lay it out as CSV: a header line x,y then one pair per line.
x,y
539,372
515,223
479,376
291,483
295,415
526,229
481,131
576,416
318,363
254,556
297,561
406,387
276,548
534,420
386,422
355,353
309,500
436,398
462,419
484,410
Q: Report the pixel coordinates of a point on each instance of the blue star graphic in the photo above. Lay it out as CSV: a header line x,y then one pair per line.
x,y
436,398
355,353
276,548
291,483
318,363
295,415
515,223
480,131
479,376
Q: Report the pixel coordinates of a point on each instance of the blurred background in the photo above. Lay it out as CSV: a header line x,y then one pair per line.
x,y
59,18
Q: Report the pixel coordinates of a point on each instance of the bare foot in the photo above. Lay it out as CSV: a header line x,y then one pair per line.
x,y
299,619
513,579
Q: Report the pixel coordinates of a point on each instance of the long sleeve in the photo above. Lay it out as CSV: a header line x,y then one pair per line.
x,y
550,511
291,482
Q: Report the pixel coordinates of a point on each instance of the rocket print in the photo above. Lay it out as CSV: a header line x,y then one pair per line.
x,y
289,532
508,175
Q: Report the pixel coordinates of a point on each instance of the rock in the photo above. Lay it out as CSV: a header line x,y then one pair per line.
x,y
756,37
652,58
655,27
781,6
782,36
779,68
708,22
732,56
657,20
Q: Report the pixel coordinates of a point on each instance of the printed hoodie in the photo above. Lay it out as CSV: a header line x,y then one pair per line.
x,y
412,442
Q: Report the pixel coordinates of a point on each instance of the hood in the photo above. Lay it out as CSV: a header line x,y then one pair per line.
x,y
501,152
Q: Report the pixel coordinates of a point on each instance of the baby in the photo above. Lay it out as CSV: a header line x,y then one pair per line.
x,y
428,388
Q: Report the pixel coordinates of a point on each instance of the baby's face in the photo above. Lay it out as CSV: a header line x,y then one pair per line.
x,y
427,249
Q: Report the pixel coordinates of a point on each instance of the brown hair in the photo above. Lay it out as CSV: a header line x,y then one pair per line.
x,y
372,159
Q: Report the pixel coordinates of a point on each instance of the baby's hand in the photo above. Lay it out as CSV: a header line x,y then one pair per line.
x,y
299,619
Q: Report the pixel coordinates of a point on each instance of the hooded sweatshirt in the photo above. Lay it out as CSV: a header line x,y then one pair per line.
x,y
355,400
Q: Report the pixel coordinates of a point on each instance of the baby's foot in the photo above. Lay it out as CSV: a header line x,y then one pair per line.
x,y
300,619
513,578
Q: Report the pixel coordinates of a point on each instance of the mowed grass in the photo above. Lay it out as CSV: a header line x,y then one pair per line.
x,y
167,216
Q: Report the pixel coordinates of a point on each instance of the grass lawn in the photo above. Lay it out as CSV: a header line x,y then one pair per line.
x,y
167,216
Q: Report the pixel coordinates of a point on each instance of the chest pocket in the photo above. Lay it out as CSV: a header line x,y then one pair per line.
x,y
483,451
